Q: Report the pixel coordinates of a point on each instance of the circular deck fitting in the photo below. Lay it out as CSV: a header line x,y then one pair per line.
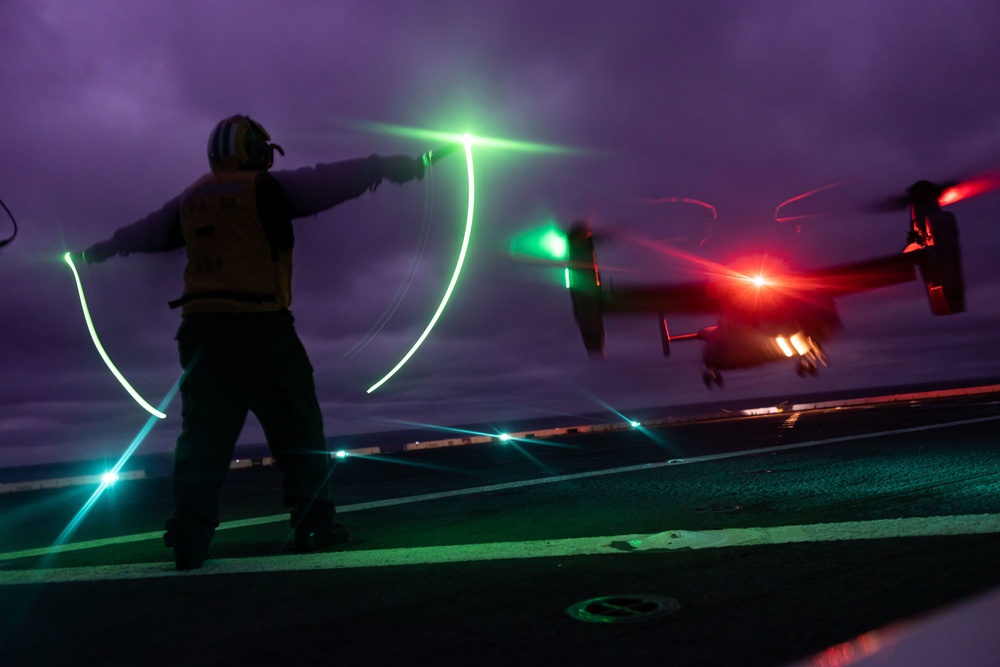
x,y
623,608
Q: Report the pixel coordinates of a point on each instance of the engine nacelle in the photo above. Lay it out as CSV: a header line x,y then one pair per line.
x,y
583,278
941,265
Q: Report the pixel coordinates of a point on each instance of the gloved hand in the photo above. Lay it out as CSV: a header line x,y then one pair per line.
x,y
401,168
99,252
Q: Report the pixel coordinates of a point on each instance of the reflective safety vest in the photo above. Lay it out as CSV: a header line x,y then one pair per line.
x,y
234,264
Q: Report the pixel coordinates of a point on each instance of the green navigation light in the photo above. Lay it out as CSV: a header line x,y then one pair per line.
x,y
554,243
547,242
467,143
100,348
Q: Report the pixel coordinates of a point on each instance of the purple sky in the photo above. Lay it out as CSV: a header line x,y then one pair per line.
x,y
107,107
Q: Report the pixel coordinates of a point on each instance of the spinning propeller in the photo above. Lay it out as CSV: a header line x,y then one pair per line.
x,y
946,193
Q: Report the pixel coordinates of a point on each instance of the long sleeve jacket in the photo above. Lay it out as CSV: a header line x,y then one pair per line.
x,y
308,190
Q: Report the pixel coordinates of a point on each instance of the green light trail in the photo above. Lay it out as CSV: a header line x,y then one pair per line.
x,y
100,348
467,143
451,137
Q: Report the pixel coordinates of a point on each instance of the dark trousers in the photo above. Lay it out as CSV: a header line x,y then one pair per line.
x,y
235,364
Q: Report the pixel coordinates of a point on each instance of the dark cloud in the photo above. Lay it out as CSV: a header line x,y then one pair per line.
x,y
741,105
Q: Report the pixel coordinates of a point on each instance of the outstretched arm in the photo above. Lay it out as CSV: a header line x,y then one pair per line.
x,y
157,232
317,188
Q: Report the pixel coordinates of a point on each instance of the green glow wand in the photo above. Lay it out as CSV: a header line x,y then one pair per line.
x,y
100,348
429,158
454,141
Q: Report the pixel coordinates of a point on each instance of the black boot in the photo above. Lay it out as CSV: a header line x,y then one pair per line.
x,y
313,536
189,542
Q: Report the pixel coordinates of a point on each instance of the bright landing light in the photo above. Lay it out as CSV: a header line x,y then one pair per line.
x,y
800,343
785,347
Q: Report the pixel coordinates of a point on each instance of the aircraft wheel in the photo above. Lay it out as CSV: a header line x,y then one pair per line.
x,y
805,367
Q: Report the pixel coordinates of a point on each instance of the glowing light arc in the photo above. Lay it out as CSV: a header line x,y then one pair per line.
x,y
100,348
467,143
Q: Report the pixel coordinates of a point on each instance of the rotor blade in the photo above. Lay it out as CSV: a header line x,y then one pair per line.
x,y
973,187
951,192
888,205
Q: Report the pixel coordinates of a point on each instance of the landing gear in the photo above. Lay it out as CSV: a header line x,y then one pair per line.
x,y
810,360
711,376
806,366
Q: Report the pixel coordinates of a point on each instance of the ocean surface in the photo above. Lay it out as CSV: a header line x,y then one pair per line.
x,y
155,465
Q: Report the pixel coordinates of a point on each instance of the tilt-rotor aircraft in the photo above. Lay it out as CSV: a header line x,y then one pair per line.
x,y
766,313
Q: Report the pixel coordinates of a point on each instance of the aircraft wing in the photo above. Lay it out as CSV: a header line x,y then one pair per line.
x,y
705,297
863,276
693,298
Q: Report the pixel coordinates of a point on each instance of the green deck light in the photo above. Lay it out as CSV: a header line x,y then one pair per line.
x,y
110,477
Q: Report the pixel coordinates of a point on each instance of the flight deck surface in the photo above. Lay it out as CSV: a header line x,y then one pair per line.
x,y
750,540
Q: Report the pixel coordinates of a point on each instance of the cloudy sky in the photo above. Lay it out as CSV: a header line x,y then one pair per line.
x,y
107,107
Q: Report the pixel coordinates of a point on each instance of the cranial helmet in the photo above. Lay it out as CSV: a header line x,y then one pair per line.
x,y
240,144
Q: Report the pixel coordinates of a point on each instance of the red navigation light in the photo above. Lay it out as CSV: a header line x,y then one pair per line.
x,y
757,281
760,271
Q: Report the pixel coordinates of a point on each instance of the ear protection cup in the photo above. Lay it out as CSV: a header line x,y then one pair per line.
x,y
240,143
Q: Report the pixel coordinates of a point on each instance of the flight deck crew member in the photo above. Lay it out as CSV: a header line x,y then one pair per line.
x,y
238,346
